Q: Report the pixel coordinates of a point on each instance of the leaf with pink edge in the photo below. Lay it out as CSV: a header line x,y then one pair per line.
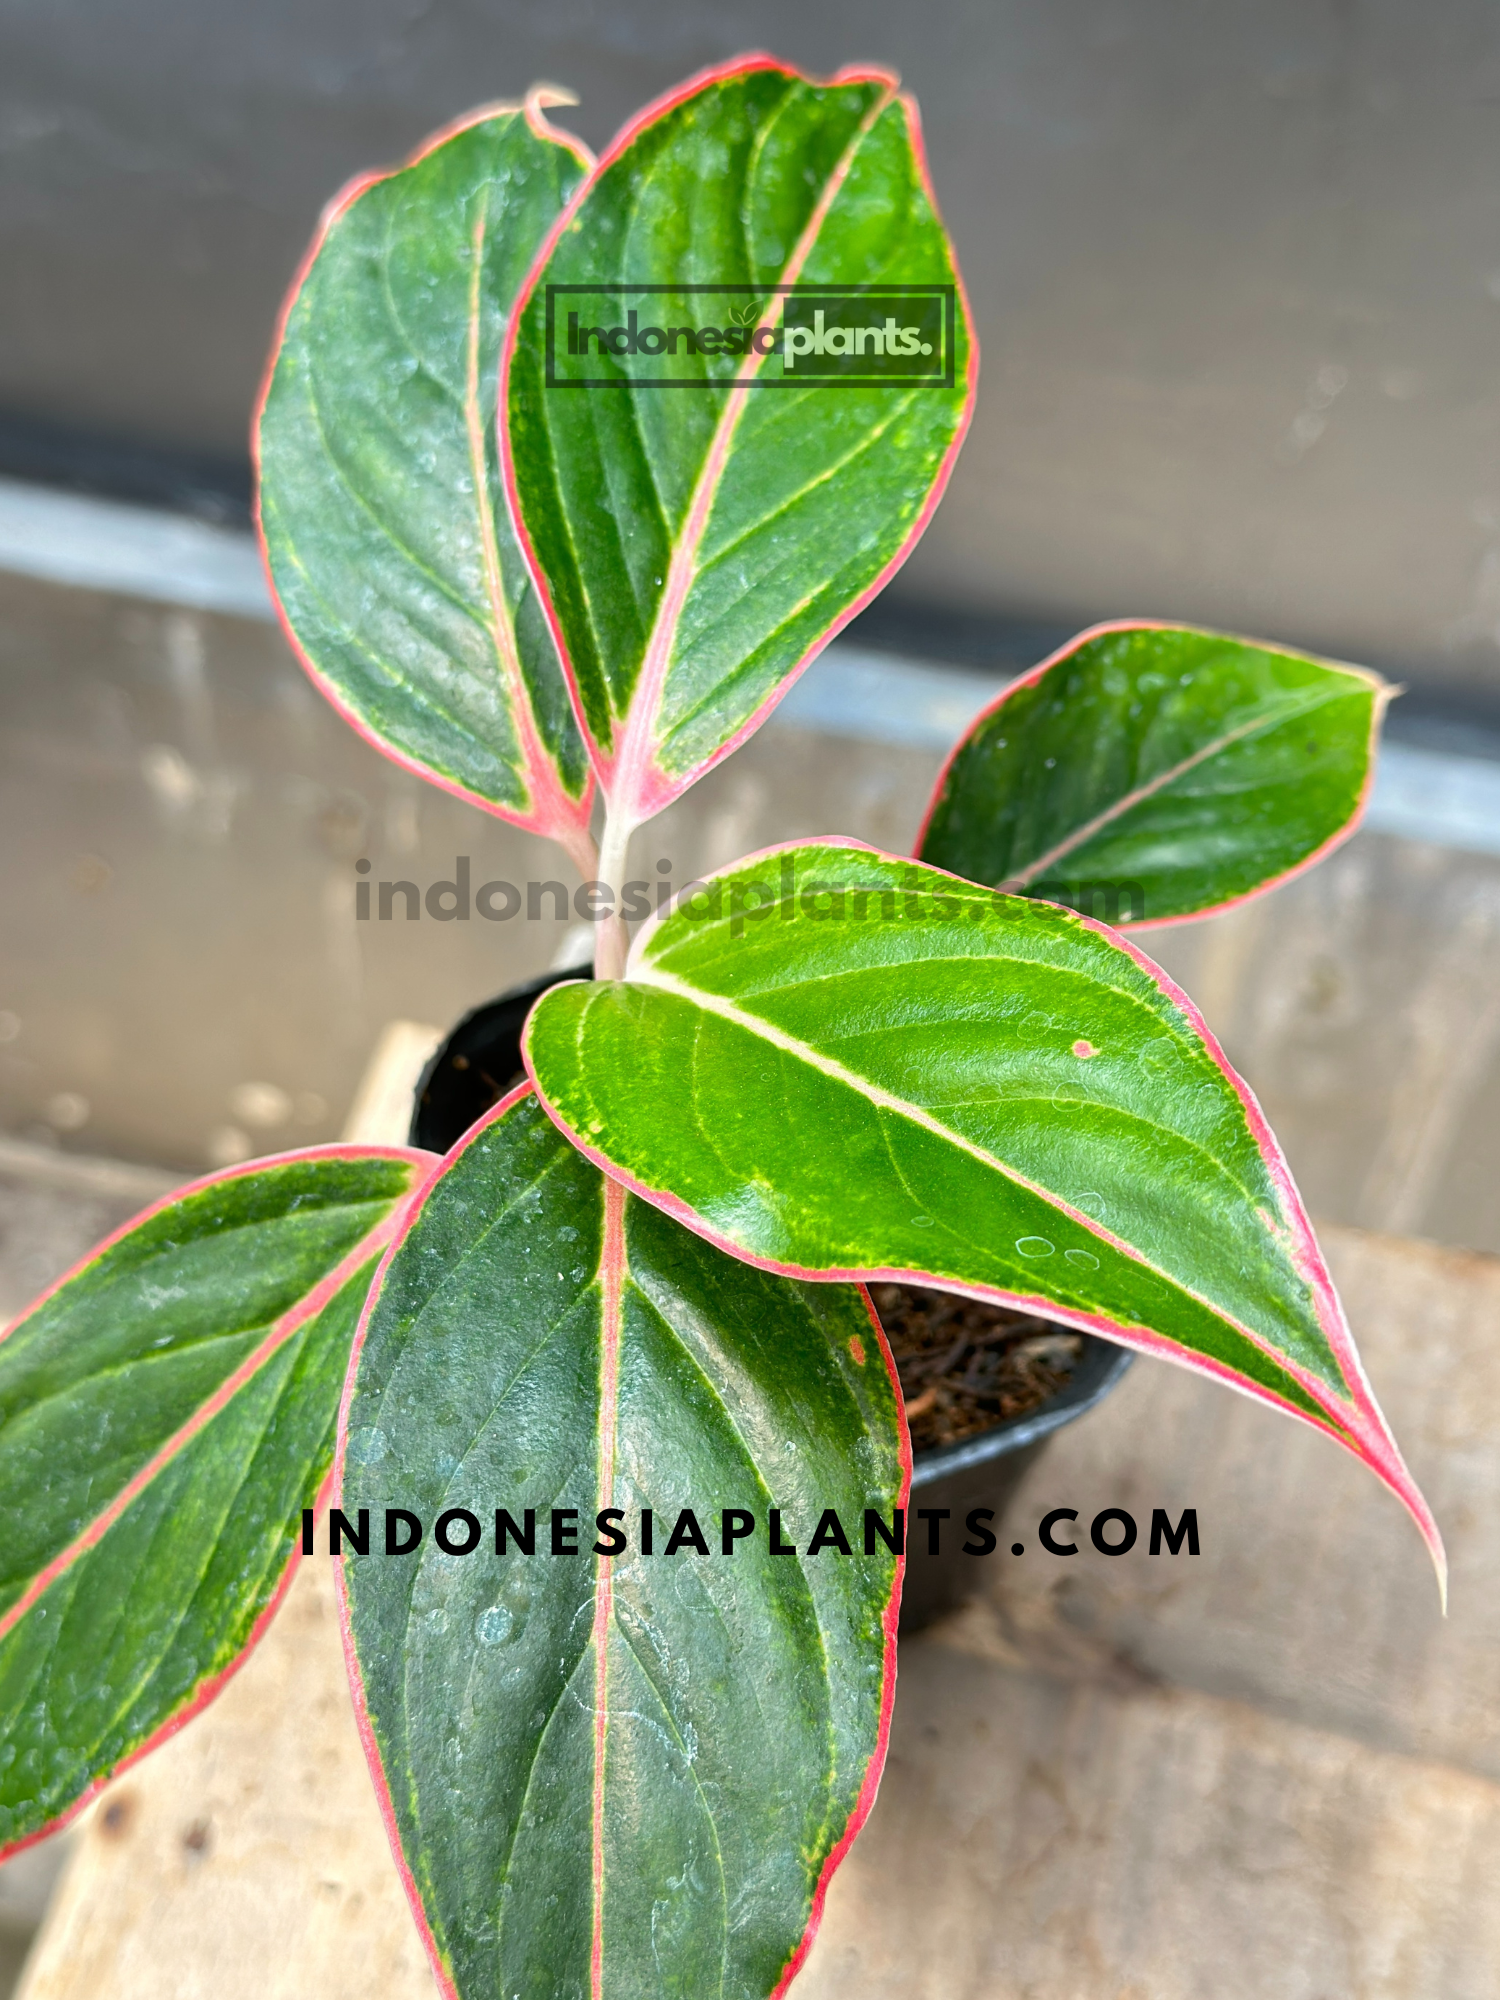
x,y
166,1412
1151,773
835,1063
629,1772
703,514
386,529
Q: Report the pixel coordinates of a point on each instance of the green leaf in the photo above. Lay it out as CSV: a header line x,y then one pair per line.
x,y
386,530
838,1064
1149,773
628,1773
166,1411
698,545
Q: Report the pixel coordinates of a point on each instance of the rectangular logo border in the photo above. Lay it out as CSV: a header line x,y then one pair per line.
x,y
947,292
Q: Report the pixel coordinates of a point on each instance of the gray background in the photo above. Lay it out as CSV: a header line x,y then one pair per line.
x,y
1236,266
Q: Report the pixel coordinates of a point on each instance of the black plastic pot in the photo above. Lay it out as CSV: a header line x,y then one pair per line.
x,y
985,1471
481,1060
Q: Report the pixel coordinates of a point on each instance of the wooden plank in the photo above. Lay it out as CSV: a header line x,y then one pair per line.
x,y
1045,1839
246,1856
1313,1597
381,1112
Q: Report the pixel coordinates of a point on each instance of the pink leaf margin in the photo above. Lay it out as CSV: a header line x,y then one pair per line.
x,y
890,1618
306,1309
890,1621
553,814
1358,1424
661,789
1383,691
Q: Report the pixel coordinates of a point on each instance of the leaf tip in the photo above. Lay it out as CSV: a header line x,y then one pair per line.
x,y
1389,1467
545,97
1432,1536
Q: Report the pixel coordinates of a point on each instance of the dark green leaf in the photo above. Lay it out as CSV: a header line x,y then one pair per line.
x,y
388,537
615,1775
840,1064
699,544
1154,772
166,1412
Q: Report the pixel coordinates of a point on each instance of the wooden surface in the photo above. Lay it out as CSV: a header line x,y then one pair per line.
x,y
381,1111
1267,1773
1270,1773
246,1855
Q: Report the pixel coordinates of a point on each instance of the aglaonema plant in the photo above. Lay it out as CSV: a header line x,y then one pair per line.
x,y
627,1313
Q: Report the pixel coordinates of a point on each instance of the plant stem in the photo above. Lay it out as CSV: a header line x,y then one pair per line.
x,y
578,844
614,939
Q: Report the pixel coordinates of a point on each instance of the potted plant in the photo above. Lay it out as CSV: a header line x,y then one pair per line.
x,y
618,1464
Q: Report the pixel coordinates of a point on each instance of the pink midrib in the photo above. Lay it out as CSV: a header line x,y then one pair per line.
x,y
1079,837
611,1276
551,809
1369,1436
628,780
879,1097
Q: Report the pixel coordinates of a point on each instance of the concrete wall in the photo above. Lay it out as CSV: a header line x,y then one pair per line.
x,y
184,977
1236,264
